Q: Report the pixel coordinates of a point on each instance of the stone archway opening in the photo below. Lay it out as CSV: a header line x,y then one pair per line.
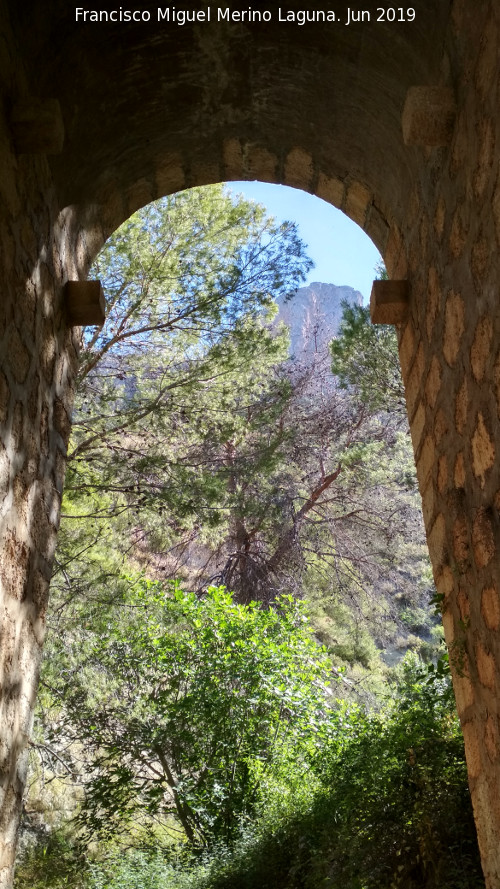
x,y
333,330
85,285
402,253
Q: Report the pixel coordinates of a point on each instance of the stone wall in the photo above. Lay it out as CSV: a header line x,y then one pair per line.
x,y
37,358
450,357
332,126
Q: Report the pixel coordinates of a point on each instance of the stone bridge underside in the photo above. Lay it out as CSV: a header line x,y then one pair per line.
x,y
147,109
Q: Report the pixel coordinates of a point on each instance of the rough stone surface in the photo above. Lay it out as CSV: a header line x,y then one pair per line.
x,y
37,126
318,108
483,450
490,608
428,115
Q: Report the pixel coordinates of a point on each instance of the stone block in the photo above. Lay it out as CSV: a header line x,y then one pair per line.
x,y
485,666
330,189
433,382
426,461
429,504
472,746
377,228
299,169
395,255
449,628
417,427
19,357
37,126
138,195
233,160
441,426
439,217
454,327
436,541
389,302
428,116
464,691
459,231
442,475
358,199
486,157
433,300
491,738
85,305
413,381
262,164
483,450
169,173
462,407
461,548
490,608
445,584
459,471
62,421
406,349
483,539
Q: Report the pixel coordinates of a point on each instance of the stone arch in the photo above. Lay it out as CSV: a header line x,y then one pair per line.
x,y
149,110
86,228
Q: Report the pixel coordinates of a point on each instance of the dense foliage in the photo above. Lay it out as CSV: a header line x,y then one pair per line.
x,y
201,449
392,808
197,700
365,357
186,353
384,803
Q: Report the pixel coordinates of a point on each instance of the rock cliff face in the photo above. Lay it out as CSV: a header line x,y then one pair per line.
x,y
313,316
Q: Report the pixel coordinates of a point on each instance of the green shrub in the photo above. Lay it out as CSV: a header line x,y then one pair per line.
x,y
51,859
138,870
393,808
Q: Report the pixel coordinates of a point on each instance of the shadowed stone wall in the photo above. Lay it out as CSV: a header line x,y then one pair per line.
x,y
150,110
37,357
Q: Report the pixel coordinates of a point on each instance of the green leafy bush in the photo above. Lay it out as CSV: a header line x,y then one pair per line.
x,y
52,859
392,809
195,704
346,799
139,870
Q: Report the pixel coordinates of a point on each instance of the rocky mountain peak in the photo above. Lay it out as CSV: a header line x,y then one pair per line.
x,y
313,316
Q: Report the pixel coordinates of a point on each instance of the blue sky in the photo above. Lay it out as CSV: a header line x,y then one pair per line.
x,y
341,251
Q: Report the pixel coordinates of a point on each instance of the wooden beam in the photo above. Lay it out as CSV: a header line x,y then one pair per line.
x,y
85,303
37,126
389,302
428,116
